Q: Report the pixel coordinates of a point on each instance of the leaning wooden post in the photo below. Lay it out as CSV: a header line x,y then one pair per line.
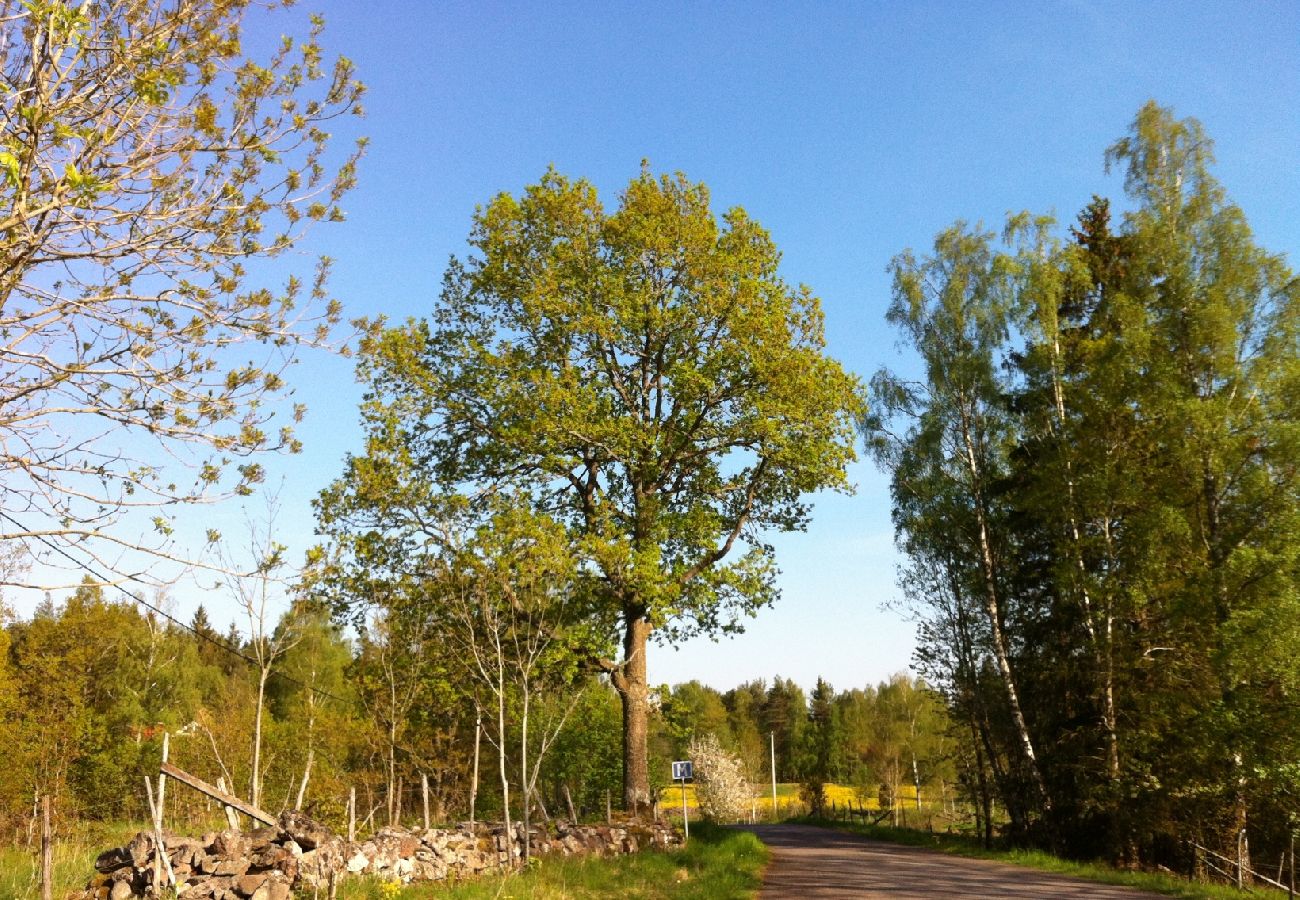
x,y
47,852
352,813
219,795
473,785
424,793
232,817
162,781
568,799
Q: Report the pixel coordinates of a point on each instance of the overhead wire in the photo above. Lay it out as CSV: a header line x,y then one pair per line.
x,y
210,638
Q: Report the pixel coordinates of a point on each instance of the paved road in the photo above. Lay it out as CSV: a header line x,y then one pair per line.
x,y
821,864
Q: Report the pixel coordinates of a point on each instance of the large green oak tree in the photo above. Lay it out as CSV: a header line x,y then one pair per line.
x,y
643,376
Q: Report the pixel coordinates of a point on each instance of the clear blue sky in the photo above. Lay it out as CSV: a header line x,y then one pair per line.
x,y
850,130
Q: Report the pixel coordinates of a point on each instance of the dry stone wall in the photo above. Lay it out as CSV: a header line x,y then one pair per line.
x,y
269,863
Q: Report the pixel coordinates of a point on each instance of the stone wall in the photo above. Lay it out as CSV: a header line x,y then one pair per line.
x,y
268,863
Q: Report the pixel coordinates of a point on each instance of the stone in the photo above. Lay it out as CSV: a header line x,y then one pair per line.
x,y
111,860
121,890
264,835
248,884
233,867
305,831
141,849
230,844
272,890
269,857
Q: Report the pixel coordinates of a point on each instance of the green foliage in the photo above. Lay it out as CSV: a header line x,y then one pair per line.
x,y
641,377
146,165
1095,487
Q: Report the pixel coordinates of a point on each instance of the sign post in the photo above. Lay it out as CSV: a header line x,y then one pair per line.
x,y
683,770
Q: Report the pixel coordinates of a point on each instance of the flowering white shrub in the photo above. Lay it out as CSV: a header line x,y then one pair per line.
x,y
721,790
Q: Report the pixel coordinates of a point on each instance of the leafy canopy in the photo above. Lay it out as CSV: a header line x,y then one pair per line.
x,y
642,375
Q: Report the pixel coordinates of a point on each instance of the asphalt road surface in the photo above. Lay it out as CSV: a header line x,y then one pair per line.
x,y
819,864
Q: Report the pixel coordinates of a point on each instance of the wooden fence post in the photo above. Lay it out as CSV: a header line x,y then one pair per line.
x,y
232,817
352,813
162,865
424,793
47,852
1241,858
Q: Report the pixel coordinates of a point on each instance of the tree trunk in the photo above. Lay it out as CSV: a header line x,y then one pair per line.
x,y
501,771
255,787
633,689
306,776
473,785
525,784
993,609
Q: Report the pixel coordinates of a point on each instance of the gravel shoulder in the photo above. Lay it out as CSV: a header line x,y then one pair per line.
x,y
821,863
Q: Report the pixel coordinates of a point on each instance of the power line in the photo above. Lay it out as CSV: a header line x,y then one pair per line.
x,y
168,616
101,579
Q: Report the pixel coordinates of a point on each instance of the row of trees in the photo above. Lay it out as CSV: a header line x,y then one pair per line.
x,y
1095,485
89,686
877,739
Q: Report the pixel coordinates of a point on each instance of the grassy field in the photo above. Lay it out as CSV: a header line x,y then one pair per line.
x,y
74,860
717,864
961,845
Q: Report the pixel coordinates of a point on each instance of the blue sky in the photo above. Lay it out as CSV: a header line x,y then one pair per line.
x,y
850,130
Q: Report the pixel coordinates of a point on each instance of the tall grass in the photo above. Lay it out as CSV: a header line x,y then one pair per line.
x,y
74,859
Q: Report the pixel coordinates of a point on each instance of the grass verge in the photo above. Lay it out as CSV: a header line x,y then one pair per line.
x,y
717,864
961,845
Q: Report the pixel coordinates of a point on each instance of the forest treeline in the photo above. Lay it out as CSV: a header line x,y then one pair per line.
x,y
90,684
1095,484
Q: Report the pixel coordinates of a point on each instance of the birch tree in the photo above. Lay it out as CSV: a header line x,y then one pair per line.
x,y
951,432
146,164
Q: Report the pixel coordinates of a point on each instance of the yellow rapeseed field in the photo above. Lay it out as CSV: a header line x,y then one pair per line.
x,y
787,795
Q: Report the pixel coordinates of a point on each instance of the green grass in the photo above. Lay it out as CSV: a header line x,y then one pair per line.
x,y
74,860
965,845
717,864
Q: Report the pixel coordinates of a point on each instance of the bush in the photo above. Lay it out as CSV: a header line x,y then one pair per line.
x,y
813,795
721,790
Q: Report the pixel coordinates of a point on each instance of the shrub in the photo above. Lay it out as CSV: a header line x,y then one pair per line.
x,y
721,790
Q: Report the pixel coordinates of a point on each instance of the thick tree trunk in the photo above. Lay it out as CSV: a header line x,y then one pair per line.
x,y
634,690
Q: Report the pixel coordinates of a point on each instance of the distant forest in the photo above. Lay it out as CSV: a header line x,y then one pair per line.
x,y
90,685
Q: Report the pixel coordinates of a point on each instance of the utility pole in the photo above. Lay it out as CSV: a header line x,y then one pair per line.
x,y
772,741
